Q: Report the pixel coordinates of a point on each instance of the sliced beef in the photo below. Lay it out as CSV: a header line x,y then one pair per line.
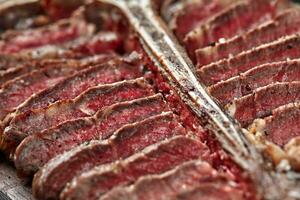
x,y
128,140
216,190
37,149
246,83
112,71
286,23
195,12
263,100
279,50
167,185
29,65
232,21
102,42
16,91
283,125
155,159
62,31
86,104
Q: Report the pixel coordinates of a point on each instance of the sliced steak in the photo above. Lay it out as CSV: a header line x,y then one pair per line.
x,y
62,31
279,50
102,42
124,142
167,185
155,159
86,104
112,71
216,190
30,66
16,91
282,126
232,21
195,12
37,149
246,83
263,100
286,23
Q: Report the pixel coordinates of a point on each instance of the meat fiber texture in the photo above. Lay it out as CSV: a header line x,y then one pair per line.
x,y
183,178
19,68
193,13
65,30
155,159
69,88
262,101
37,149
286,23
84,105
282,125
279,50
129,139
15,92
234,20
263,75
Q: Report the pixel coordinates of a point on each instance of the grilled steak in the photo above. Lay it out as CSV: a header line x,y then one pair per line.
x,y
263,101
115,70
124,142
263,75
37,149
86,104
282,125
16,91
169,184
235,19
155,159
31,65
62,31
195,12
286,23
279,50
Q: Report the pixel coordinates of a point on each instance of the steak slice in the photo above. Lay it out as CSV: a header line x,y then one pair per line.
x,y
167,185
246,83
124,142
16,91
30,65
286,23
155,159
263,100
215,190
102,42
234,20
195,12
112,71
282,126
86,104
279,50
61,31
37,149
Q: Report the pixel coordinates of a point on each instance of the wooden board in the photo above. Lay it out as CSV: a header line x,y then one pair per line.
x,y
11,187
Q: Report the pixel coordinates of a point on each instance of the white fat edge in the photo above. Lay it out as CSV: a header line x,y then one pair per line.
x,y
231,108
222,40
83,108
283,165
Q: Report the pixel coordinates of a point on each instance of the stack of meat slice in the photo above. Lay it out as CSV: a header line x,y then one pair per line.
x,y
85,111
247,54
